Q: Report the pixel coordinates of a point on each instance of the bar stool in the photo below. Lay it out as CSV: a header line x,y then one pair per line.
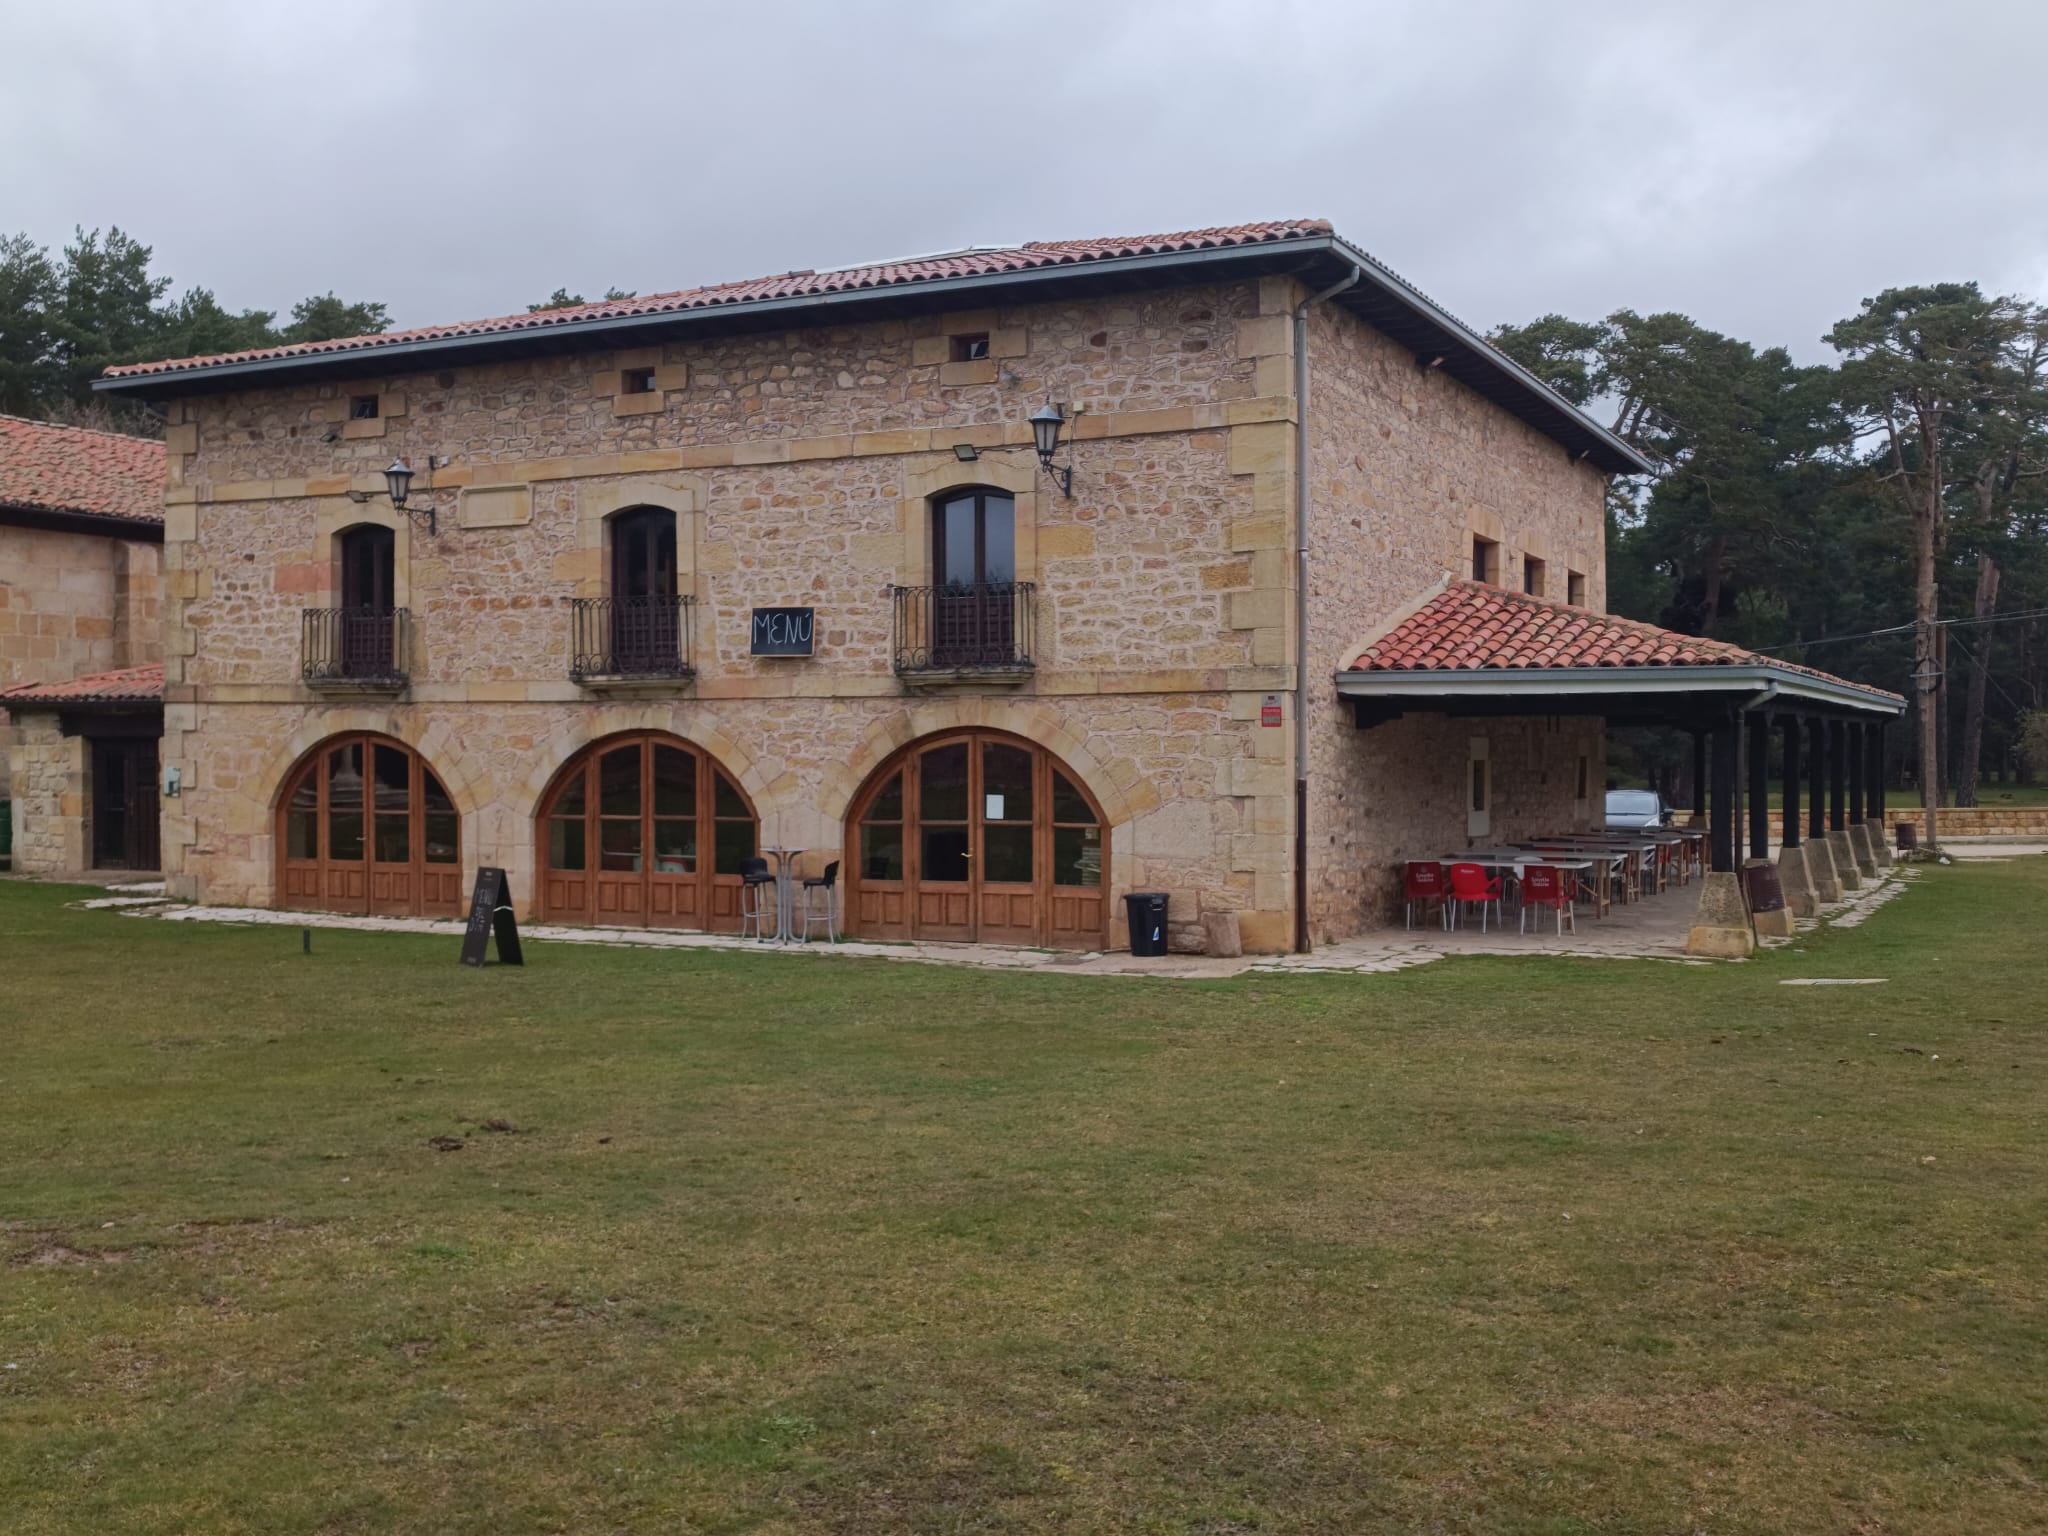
x,y
757,897
822,886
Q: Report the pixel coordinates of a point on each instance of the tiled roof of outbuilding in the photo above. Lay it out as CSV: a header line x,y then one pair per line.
x,y
130,685
1473,626
977,262
49,468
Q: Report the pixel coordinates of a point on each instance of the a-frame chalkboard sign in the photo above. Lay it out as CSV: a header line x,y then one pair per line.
x,y
490,908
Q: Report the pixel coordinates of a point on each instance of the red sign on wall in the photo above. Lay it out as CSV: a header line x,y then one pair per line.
x,y
1269,709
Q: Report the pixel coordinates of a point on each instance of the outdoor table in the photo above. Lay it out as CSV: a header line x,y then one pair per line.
x,y
1608,860
1515,860
785,867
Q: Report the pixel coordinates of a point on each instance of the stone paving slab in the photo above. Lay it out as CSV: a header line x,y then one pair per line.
x,y
1652,929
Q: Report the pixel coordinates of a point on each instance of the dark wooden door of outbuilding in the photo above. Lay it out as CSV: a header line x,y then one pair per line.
x,y
124,804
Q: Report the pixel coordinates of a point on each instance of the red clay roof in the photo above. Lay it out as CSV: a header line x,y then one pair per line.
x,y
971,263
1471,626
48,468
131,685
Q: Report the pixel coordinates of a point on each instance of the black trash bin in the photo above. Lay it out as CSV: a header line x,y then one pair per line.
x,y
1147,913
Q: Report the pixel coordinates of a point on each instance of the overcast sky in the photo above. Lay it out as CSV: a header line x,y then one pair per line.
x,y
1762,167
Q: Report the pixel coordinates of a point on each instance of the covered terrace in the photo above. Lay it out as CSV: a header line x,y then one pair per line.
x,y
1472,650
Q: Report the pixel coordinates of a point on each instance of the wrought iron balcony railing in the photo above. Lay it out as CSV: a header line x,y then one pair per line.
x,y
958,627
631,637
367,648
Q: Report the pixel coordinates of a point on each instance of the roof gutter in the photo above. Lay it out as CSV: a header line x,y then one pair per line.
x,y
1301,525
1761,682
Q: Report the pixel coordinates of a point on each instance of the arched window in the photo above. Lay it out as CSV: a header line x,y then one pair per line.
x,y
366,826
644,829
367,555
978,836
974,578
645,628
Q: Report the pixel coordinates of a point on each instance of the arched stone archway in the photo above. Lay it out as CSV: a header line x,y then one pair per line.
x,y
364,824
643,828
978,835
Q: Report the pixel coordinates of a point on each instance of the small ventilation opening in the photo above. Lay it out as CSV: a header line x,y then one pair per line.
x,y
362,408
637,381
970,349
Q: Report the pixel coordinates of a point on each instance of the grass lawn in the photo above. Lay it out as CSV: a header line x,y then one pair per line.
x,y
789,1245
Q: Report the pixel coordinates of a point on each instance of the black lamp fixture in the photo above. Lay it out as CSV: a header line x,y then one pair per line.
x,y
398,486
1046,422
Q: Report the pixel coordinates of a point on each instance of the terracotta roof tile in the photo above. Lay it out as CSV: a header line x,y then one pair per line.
x,y
970,263
48,468
136,685
1471,626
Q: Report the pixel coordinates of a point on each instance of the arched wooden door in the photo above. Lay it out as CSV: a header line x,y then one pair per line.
x,y
977,836
365,826
644,830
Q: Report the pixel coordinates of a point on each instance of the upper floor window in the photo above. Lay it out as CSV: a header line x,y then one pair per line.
x,y
1575,588
636,381
1534,573
368,568
1485,559
644,553
970,349
362,408
974,540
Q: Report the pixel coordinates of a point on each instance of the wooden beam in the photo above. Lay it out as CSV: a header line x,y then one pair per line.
x,y
1759,787
1792,831
1721,803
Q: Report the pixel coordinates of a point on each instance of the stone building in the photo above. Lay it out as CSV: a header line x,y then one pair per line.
x,y
81,535
776,563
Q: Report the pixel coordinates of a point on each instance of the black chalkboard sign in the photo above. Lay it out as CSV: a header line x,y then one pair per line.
x,y
490,909
782,631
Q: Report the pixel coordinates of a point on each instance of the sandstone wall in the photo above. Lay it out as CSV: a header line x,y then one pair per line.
x,y
1406,466
72,603
800,467
50,790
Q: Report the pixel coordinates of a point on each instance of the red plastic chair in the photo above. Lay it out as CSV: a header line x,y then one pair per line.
x,y
1470,883
1543,886
1422,882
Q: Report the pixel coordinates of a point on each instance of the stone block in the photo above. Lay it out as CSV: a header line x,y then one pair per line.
x,y
1065,541
1844,854
1266,336
1797,879
494,506
1721,928
1222,935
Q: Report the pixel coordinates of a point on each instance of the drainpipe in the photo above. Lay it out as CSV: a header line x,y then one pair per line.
x,y
1301,943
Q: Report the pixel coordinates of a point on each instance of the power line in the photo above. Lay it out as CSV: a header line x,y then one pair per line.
x,y
1906,629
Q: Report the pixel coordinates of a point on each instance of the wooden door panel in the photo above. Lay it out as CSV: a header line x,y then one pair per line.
x,y
1008,915
673,903
441,889
1076,917
568,895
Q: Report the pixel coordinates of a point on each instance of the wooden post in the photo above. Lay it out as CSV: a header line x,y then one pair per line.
x,y
1759,786
1699,774
1817,758
1792,781
1874,785
1838,766
1721,803
1853,729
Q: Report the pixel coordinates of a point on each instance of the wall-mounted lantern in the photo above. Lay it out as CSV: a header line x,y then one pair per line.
x,y
398,486
1045,434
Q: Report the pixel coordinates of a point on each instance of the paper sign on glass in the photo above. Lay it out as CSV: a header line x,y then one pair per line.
x,y
993,811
